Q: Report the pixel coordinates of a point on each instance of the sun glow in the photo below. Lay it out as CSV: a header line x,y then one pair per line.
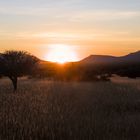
x,y
61,54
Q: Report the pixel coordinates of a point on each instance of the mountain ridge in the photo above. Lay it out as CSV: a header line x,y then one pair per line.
x,y
131,57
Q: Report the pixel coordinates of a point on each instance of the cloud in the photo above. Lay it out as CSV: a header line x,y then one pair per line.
x,y
65,9
24,11
103,15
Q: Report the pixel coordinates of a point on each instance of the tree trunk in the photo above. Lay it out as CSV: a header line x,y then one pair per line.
x,y
14,82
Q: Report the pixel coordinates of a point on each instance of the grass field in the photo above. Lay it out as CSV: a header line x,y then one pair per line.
x,y
70,111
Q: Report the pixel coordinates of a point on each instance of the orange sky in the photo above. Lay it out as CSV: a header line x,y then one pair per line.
x,y
83,48
88,27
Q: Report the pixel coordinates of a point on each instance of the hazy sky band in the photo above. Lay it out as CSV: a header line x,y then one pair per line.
x,y
106,26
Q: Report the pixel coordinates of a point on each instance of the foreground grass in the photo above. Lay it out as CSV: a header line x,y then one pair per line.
x,y
69,111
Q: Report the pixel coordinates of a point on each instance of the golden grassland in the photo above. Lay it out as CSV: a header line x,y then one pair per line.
x,y
42,109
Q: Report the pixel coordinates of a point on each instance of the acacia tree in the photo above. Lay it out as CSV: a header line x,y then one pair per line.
x,y
14,64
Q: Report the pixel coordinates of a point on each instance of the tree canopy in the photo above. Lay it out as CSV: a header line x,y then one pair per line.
x,y
14,64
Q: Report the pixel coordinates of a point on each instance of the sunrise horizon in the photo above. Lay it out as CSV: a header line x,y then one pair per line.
x,y
58,55
81,27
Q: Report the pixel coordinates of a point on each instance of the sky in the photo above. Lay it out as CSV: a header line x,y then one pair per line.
x,y
109,27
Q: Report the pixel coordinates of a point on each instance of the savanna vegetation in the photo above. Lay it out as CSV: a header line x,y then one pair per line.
x,y
78,71
58,110
70,102
14,64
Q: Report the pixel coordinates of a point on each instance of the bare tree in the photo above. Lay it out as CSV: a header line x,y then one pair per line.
x,y
14,64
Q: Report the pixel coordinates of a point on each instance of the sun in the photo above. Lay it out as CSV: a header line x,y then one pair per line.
x,y
61,53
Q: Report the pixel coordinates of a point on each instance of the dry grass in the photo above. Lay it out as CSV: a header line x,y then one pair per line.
x,y
70,111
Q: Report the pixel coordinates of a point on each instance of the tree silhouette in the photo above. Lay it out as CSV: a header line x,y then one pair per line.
x,y
14,64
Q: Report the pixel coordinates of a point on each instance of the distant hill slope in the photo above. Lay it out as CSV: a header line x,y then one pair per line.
x,y
132,57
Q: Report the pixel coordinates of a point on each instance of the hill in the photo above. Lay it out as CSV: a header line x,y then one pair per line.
x,y
132,57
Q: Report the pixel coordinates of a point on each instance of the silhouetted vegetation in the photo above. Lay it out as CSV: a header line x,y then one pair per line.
x,y
86,72
14,64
